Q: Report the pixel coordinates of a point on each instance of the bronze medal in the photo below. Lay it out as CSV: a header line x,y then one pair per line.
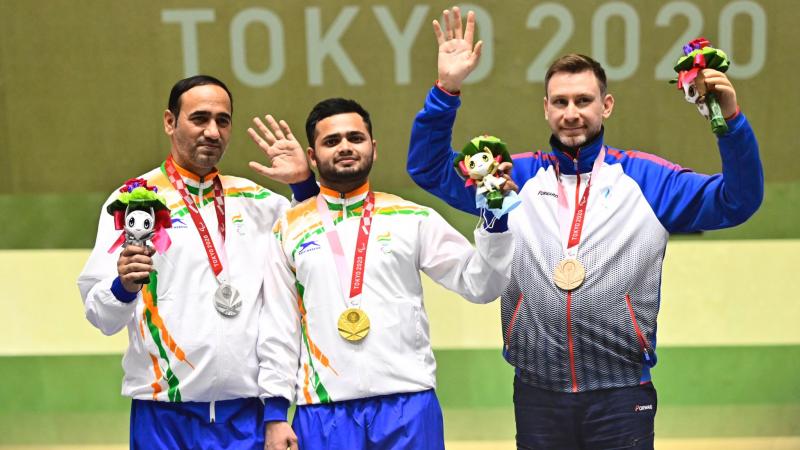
x,y
569,274
353,324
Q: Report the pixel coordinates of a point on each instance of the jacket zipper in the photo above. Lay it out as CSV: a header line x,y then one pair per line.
x,y
642,340
212,410
570,342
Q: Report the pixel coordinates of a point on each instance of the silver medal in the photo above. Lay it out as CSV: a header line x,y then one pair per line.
x,y
227,300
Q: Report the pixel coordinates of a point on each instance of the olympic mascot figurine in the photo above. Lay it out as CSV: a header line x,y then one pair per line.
x,y
142,215
477,164
698,55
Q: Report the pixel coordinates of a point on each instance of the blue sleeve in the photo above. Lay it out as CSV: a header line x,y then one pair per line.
x,y
275,409
305,189
121,293
430,156
685,201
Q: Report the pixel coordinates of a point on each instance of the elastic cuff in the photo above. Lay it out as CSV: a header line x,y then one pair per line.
x,y
452,94
498,225
275,409
121,293
735,115
305,189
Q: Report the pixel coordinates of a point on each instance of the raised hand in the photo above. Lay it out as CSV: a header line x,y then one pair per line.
x,y
288,160
718,82
457,56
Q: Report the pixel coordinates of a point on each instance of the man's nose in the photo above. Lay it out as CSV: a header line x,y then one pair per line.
x,y
571,113
212,130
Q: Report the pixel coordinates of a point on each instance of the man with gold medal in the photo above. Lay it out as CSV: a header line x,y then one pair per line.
x,y
344,332
579,314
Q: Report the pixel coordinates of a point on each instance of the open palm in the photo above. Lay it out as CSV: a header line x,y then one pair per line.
x,y
289,164
457,55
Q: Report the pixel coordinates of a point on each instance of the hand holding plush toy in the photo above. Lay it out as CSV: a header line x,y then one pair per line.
x,y
142,215
477,164
699,55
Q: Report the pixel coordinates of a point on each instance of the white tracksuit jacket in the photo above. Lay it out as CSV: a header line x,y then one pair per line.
x,y
180,348
303,357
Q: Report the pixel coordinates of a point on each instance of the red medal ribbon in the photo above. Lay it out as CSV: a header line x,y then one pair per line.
x,y
219,203
578,219
362,242
360,256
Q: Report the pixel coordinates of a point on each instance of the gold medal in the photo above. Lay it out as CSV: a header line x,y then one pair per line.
x,y
353,324
569,274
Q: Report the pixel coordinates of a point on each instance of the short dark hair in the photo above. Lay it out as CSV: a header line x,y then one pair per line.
x,y
174,104
575,63
332,107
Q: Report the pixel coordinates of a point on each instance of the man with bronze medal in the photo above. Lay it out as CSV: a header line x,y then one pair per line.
x,y
579,314
191,307
344,333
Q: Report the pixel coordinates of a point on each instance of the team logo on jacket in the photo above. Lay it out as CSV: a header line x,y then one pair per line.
x,y
548,194
638,408
385,241
238,223
309,246
177,222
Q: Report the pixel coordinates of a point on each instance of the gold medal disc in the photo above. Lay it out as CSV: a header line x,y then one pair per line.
x,y
353,324
569,274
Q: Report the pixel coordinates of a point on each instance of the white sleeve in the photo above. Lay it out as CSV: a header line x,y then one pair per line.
x,y
102,308
479,275
279,336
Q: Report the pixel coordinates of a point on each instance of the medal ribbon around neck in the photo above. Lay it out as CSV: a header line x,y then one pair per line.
x,y
569,274
360,255
571,235
214,258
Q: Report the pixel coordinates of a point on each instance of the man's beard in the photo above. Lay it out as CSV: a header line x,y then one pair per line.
x,y
331,173
574,142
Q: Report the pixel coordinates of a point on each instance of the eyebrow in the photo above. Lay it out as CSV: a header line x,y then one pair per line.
x,y
346,133
204,113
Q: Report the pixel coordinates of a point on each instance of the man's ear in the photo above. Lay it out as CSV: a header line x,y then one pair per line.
x,y
310,154
608,106
374,150
545,108
169,122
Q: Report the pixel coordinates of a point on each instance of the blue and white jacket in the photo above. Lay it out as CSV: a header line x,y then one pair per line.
x,y
602,334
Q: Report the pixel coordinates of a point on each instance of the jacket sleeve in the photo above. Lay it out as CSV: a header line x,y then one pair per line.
x,y
103,309
430,156
685,201
280,331
478,273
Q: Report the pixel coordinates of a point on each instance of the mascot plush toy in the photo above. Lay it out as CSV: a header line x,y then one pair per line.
x,y
142,215
698,55
477,164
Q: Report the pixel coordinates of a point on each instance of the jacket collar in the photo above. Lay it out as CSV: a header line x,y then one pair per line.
x,y
355,195
585,158
192,179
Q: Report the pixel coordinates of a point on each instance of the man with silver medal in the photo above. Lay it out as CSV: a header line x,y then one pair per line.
x,y
193,326
579,314
344,332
